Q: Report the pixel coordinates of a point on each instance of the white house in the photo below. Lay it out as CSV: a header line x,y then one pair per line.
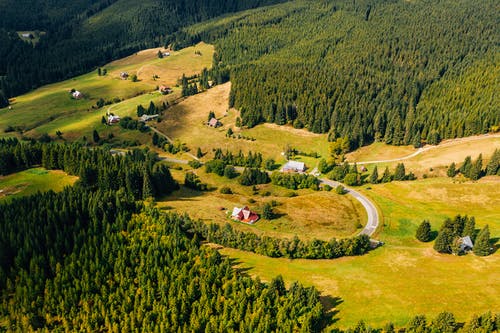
x,y
112,119
77,95
294,166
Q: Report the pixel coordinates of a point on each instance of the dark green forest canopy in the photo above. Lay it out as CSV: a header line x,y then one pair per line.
x,y
83,34
398,71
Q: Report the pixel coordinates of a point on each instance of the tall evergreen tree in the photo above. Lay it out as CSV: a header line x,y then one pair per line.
x,y
444,241
386,176
423,232
470,228
482,245
96,136
147,185
451,170
400,173
374,176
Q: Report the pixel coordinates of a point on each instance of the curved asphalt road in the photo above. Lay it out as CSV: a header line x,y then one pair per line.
x,y
371,210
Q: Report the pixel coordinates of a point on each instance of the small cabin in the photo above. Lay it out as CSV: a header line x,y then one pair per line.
x,y
148,117
124,75
213,122
77,95
164,90
112,119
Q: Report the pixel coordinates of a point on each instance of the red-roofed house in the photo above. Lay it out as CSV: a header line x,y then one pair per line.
x,y
244,215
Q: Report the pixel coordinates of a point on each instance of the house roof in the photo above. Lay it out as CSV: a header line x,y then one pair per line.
x,y
213,122
294,165
467,241
236,211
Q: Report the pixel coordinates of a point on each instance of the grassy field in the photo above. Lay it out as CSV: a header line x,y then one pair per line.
x,y
436,157
51,107
33,180
404,277
308,215
187,122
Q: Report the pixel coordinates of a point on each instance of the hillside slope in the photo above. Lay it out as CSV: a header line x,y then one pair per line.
x,y
83,34
396,71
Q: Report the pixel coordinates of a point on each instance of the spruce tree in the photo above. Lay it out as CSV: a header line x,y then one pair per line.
x,y
267,211
95,136
482,246
147,185
466,167
423,233
452,170
386,176
374,176
400,172
469,228
444,323
476,169
199,153
444,241
493,166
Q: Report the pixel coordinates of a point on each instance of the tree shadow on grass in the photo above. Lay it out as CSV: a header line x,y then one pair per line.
x,y
330,305
434,234
494,244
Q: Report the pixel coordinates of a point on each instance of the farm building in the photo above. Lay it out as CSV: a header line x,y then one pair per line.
x,y
77,95
466,243
124,75
164,90
244,215
148,117
294,166
112,119
214,123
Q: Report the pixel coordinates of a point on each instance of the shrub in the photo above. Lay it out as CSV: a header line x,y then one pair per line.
x,y
226,190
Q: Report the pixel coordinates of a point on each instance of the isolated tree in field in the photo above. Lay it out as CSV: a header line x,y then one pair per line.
x,y
99,72
444,323
423,233
267,211
374,176
133,78
199,153
229,132
103,120
160,54
444,240
400,172
452,170
95,136
482,245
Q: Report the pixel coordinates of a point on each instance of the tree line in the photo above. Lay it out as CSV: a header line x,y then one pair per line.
x,y
273,247
137,172
474,170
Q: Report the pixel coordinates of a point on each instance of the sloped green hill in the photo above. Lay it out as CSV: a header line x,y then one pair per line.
x,y
398,71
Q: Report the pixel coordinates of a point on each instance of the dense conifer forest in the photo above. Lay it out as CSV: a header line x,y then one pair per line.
x,y
398,71
80,35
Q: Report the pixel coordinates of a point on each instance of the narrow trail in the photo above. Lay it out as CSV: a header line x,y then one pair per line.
x,y
441,145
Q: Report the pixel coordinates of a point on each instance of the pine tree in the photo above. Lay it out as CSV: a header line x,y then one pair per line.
x,y
482,245
444,240
160,54
400,173
452,170
155,139
470,228
95,136
374,176
267,211
444,323
423,232
147,185
103,120
386,176
476,169
199,153
466,167
493,166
